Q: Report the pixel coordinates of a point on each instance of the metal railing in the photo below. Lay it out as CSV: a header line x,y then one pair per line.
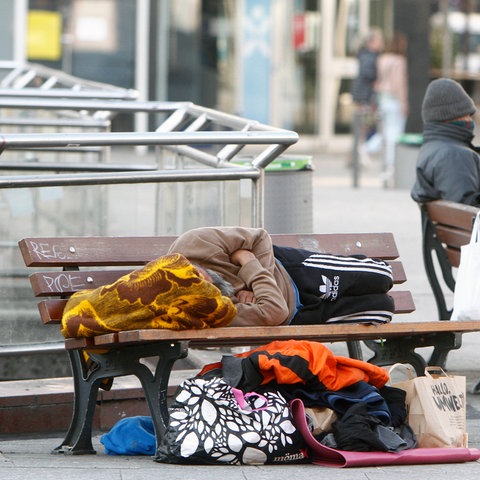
x,y
62,171
191,144
22,84
29,78
182,131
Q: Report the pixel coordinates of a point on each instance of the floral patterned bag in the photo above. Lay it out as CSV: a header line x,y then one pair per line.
x,y
211,422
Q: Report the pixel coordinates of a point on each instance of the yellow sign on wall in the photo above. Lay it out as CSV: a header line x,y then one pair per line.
x,y
44,32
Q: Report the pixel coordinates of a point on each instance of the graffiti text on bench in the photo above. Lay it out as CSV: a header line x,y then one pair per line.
x,y
64,281
45,250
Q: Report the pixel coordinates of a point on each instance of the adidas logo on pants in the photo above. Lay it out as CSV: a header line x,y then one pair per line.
x,y
337,288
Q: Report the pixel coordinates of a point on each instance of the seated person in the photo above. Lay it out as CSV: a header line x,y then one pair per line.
x,y
272,285
448,165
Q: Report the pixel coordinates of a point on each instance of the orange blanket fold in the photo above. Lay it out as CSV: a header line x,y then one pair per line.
x,y
168,292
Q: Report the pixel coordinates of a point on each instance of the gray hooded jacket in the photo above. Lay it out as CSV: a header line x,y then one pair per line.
x,y
448,166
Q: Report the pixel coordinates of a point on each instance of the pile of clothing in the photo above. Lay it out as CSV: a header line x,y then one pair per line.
x,y
285,402
348,403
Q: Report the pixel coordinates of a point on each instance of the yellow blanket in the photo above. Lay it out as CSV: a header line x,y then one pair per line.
x,y
168,292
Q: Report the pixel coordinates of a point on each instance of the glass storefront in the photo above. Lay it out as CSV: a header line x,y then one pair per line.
x,y
286,63
91,39
455,42
201,52
283,63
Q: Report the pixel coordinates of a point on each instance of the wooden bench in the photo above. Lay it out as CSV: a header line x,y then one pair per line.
x,y
446,226
79,263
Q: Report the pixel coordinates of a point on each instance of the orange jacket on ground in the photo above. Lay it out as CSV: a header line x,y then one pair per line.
x,y
309,363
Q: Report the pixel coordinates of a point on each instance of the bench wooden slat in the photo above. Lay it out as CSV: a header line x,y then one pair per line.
x,y
451,213
453,225
449,227
398,272
243,336
380,245
403,301
51,310
90,251
452,238
55,283
453,256
120,251
83,342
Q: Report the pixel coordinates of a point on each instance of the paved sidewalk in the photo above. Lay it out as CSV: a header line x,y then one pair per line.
x,y
337,208
29,459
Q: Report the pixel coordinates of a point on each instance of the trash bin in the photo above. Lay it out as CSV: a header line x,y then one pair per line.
x,y
406,153
288,195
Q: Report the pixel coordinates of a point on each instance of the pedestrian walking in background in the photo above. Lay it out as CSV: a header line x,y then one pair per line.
x,y
391,90
363,93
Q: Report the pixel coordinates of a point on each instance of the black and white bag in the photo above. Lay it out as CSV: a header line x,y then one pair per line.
x,y
212,422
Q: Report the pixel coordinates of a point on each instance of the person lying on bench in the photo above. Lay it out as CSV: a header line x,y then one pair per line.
x,y
273,285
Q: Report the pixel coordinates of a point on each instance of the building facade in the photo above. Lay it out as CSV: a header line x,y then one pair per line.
x,y
288,63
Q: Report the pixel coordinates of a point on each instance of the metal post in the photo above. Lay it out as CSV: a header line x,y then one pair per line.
x,y
357,129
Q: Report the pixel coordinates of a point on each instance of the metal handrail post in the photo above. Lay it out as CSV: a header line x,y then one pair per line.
x,y
258,200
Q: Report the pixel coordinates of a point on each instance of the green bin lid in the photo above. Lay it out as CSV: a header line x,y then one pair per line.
x,y
411,139
284,163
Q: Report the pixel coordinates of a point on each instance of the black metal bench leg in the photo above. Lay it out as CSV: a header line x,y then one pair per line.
x,y
444,344
156,386
78,439
115,363
388,352
476,388
355,350
439,357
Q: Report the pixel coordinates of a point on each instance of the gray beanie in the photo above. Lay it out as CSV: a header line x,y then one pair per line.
x,y
445,100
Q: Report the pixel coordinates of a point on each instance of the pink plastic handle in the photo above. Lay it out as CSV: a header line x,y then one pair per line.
x,y
241,398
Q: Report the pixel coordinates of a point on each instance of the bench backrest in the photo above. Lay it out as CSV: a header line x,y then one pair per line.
x,y
89,262
446,226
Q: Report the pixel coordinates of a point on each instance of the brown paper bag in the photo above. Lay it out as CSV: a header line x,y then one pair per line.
x,y
436,405
321,419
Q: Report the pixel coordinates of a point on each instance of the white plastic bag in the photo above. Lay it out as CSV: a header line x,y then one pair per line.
x,y
466,298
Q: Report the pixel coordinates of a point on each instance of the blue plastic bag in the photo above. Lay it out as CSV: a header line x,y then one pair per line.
x,y
130,436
